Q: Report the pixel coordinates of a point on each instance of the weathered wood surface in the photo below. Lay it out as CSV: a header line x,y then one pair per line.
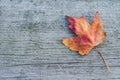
x,y
30,40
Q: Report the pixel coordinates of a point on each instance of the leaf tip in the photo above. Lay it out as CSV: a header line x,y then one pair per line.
x,y
97,12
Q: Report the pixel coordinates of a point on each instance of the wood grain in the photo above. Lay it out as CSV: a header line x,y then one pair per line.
x,y
30,40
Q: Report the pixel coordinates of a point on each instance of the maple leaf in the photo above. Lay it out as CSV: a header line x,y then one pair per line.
x,y
87,35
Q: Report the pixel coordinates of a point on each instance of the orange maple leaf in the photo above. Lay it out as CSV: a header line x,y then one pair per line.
x,y
88,35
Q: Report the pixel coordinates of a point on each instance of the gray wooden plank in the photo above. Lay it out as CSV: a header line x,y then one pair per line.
x,y
30,40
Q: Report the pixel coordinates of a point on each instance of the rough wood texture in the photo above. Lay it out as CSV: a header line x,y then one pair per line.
x,y
30,40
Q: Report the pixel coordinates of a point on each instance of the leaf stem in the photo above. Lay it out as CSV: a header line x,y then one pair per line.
x,y
104,60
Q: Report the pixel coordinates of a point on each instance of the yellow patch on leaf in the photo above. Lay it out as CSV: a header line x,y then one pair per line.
x,y
88,36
